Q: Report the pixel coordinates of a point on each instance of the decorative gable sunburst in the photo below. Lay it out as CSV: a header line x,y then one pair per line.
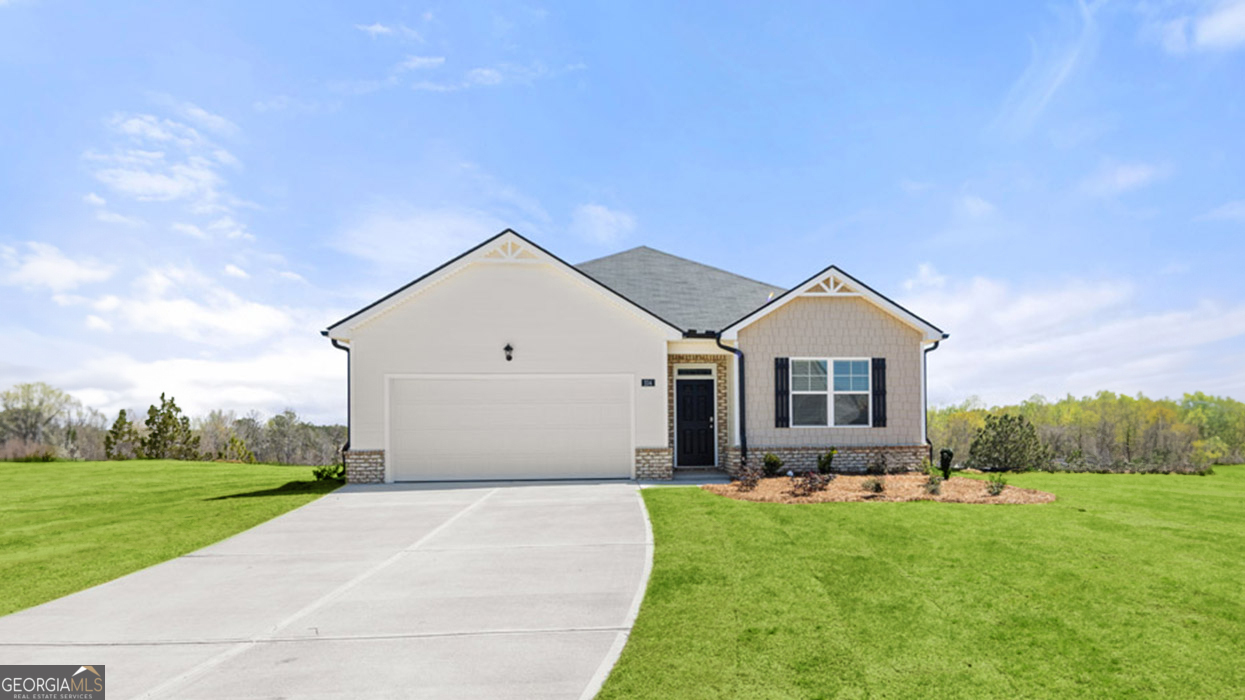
x,y
831,286
510,250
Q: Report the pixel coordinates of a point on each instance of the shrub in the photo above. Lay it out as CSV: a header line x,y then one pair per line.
x,y
236,451
809,483
748,479
933,485
1008,443
168,433
330,472
995,484
773,464
945,457
19,450
876,466
825,463
122,440
874,485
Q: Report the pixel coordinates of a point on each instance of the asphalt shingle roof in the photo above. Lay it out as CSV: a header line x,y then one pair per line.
x,y
688,294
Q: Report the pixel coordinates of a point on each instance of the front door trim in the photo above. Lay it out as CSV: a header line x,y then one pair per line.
x,y
674,404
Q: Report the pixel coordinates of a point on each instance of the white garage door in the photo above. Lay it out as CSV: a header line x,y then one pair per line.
x,y
453,427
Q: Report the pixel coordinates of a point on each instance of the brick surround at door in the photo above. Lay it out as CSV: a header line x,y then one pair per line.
x,y
721,388
365,466
848,459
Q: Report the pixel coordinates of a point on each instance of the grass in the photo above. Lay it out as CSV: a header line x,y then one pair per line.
x,y
1127,586
66,526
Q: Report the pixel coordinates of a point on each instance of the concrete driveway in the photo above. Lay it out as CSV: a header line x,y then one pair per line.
x,y
464,591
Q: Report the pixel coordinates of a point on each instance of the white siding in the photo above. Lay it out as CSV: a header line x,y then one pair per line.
x,y
555,321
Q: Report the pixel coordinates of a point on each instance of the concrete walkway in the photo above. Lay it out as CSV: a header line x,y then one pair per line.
x,y
446,591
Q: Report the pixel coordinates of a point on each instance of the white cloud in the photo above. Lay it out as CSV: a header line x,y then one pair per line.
x,y
94,199
188,230
374,29
420,62
417,240
180,302
292,276
96,323
1061,336
112,217
1053,60
44,266
601,224
926,278
1223,28
1117,178
235,271
974,207
207,120
484,76
1216,26
227,227
1232,211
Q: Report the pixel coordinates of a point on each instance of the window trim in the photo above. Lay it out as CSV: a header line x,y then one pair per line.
x,y
829,393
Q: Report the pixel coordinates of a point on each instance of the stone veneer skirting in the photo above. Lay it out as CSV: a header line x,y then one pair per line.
x,y
365,466
654,463
848,459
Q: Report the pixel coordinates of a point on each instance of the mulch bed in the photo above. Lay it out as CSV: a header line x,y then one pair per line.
x,y
899,487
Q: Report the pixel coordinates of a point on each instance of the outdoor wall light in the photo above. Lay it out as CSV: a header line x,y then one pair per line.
x,y
509,352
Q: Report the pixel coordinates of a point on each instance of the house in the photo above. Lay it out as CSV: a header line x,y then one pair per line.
x,y
509,363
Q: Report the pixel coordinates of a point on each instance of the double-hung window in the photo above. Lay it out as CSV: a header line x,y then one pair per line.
x,y
829,392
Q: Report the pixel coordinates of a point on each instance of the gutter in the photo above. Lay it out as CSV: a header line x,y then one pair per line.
x,y
743,403
925,391
346,446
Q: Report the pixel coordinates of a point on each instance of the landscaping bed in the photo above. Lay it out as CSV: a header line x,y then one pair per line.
x,y
896,487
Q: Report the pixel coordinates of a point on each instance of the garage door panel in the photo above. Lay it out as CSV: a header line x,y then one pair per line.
x,y
510,427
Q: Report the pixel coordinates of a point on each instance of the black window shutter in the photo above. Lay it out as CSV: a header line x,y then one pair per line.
x,y
782,383
879,392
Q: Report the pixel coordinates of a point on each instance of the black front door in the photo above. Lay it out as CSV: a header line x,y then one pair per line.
x,y
694,422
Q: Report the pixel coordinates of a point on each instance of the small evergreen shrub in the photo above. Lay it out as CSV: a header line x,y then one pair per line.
x,y
945,457
773,464
874,484
876,466
330,472
1008,443
995,484
933,485
825,462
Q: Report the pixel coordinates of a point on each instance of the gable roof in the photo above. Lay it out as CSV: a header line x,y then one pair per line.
x,y
834,282
689,294
506,245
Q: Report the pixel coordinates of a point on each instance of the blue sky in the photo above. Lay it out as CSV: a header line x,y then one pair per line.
x,y
190,193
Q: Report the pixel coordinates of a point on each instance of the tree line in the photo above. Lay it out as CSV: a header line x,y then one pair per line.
x,y
41,422
1110,431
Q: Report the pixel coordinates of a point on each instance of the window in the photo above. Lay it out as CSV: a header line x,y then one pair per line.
x,y
829,392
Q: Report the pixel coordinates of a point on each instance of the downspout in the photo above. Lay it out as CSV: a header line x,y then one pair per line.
x,y
339,346
743,413
925,393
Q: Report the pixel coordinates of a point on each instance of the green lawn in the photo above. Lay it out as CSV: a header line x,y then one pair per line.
x,y
65,526
1127,586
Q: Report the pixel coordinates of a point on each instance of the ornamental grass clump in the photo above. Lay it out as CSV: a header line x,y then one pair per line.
x,y
874,484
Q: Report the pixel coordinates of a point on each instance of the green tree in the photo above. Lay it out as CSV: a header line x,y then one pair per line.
x,y
28,411
168,433
1008,443
123,440
236,451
